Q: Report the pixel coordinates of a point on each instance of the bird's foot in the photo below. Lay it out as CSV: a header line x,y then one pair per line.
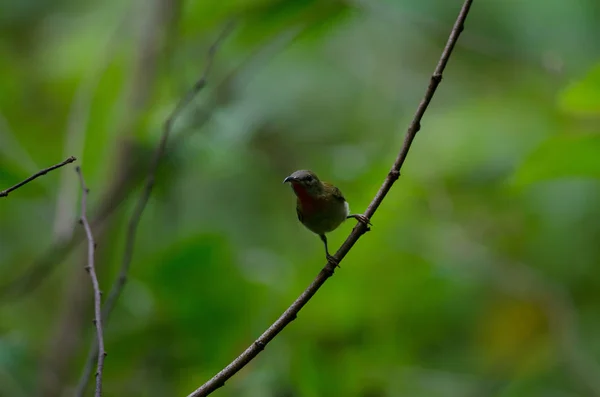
x,y
362,219
331,259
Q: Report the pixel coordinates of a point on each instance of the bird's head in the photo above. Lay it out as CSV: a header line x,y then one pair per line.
x,y
305,182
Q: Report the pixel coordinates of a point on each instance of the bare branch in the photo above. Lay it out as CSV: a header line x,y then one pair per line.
x,y
119,283
5,193
90,268
290,314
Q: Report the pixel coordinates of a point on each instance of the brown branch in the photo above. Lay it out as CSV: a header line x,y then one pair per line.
x,y
290,314
119,283
5,193
92,272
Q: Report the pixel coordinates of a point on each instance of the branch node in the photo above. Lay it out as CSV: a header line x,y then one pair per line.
x,y
394,174
329,269
437,78
259,345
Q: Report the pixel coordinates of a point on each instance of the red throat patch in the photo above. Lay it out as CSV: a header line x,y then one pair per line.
x,y
305,199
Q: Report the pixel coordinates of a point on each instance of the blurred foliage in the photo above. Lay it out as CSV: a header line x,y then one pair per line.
x,y
477,279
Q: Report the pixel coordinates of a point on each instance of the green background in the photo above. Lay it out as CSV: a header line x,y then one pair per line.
x,y
479,277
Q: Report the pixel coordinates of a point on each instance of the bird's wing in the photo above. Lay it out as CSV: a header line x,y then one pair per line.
x,y
337,193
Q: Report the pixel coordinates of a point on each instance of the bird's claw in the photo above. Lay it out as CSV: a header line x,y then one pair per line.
x,y
331,259
362,219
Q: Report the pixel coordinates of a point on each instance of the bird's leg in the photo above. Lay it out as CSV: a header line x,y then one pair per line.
x,y
362,219
330,258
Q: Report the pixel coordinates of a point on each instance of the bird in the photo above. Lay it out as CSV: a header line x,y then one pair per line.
x,y
320,206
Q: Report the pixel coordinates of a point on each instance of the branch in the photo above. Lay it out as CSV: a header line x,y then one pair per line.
x,y
5,193
92,271
119,283
290,314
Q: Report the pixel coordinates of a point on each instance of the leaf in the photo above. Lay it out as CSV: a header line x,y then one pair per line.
x,y
582,98
562,157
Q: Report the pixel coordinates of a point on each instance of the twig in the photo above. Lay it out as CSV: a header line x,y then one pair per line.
x,y
92,272
119,283
5,193
290,314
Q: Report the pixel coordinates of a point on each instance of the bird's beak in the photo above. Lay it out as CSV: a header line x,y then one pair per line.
x,y
289,179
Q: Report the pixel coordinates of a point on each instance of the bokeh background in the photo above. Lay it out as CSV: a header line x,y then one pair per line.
x,y
479,278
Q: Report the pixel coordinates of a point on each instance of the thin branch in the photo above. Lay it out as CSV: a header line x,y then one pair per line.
x,y
90,268
119,283
290,314
5,193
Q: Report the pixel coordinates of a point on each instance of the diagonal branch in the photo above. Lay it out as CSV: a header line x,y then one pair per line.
x,y
119,283
290,314
92,272
5,193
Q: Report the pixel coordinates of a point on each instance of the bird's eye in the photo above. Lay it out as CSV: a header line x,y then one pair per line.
x,y
308,178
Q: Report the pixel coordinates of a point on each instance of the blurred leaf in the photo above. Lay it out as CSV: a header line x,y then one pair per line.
x,y
512,336
582,98
561,157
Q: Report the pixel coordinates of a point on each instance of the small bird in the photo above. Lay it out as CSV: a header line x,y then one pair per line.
x,y
320,206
